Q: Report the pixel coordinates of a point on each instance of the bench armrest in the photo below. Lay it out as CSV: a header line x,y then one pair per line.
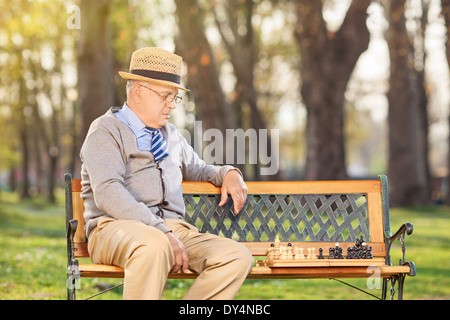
x,y
405,229
71,228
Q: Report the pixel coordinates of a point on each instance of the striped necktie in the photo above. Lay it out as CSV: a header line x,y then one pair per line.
x,y
159,146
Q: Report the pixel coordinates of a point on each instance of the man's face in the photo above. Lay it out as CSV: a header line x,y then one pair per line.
x,y
152,107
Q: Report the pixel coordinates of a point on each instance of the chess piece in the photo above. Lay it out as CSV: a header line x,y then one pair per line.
x,y
369,253
360,242
331,253
309,254
349,253
341,256
302,255
321,254
277,241
270,248
284,255
296,253
290,254
276,253
357,253
338,252
363,251
270,253
313,253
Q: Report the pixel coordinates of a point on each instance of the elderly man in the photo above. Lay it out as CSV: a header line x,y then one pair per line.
x,y
133,165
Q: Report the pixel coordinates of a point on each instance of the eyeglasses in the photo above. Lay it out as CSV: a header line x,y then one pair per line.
x,y
169,98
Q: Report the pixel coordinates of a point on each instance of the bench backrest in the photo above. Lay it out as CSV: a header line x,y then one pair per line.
x,y
308,214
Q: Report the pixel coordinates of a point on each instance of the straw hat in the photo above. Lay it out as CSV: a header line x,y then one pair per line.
x,y
155,65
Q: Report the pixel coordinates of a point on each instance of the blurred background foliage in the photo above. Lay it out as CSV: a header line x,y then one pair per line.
x,y
355,88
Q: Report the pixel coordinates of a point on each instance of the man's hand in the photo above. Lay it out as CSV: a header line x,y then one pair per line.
x,y
180,258
234,185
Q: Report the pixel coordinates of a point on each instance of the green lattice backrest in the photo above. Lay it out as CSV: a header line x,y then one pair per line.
x,y
316,212
294,217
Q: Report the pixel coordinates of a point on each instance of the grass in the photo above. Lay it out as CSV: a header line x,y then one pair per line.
x,y
33,259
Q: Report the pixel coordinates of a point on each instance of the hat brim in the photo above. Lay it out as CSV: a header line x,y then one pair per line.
x,y
131,76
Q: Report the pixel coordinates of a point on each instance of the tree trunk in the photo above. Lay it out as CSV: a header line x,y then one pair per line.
x,y
446,13
407,118
242,49
327,62
95,62
203,76
23,131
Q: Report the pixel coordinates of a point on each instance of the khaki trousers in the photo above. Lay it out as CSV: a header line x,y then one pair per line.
x,y
146,256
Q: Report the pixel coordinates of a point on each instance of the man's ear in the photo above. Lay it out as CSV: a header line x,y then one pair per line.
x,y
136,93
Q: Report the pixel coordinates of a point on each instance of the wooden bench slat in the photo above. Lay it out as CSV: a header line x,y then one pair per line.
x,y
375,220
106,271
279,187
295,187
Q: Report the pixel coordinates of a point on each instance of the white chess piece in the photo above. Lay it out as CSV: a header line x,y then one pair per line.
x,y
270,254
276,253
284,255
277,241
302,255
290,254
297,253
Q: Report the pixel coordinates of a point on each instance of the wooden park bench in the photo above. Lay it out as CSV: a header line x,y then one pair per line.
x,y
306,214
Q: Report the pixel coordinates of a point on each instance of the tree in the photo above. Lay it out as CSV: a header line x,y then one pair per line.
x,y
33,91
242,43
408,125
327,62
203,75
446,13
95,63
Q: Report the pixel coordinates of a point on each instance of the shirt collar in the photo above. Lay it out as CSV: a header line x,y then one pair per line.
x,y
133,120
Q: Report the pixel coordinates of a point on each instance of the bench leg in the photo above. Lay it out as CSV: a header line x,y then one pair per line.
x,y
400,280
73,279
384,289
71,294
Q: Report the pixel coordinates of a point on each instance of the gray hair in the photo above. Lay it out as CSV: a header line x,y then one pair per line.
x,y
130,84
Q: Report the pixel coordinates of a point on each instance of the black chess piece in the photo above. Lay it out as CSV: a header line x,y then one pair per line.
x,y
321,254
349,253
357,253
331,253
338,252
369,253
340,255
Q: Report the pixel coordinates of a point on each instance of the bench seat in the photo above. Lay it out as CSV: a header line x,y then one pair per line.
x,y
107,271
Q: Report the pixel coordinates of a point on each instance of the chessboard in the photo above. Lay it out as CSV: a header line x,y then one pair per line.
x,y
320,263
278,256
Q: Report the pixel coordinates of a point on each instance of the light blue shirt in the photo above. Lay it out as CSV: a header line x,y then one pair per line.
x,y
143,137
